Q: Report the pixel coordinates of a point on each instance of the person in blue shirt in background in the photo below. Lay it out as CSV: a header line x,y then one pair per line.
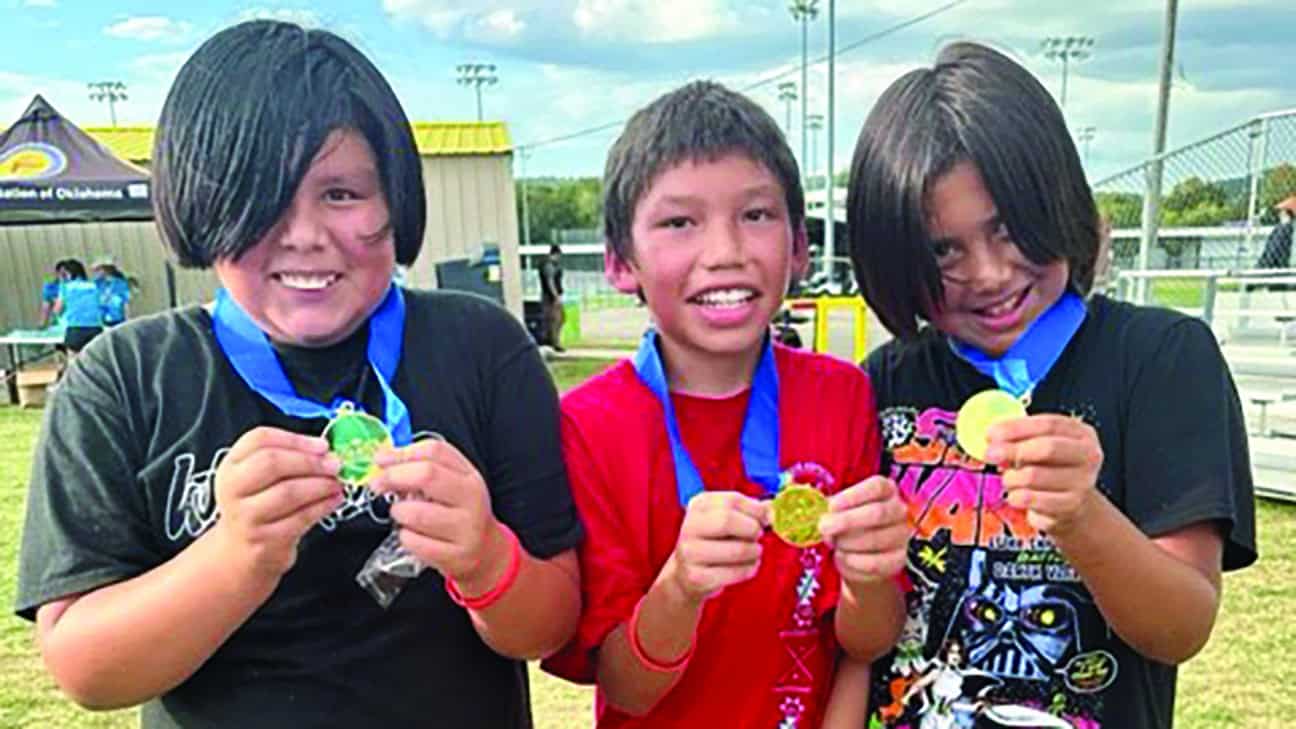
x,y
114,291
77,305
49,296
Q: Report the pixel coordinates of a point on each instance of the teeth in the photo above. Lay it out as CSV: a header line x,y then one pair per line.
x,y
1001,308
725,297
306,281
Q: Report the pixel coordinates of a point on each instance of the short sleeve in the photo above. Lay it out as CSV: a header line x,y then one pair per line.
x,y
87,523
613,578
1185,447
525,472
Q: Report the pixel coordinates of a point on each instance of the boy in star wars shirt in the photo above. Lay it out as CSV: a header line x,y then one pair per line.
x,y
1080,562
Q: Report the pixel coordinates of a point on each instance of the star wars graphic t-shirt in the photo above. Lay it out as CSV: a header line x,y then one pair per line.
x,y
1001,631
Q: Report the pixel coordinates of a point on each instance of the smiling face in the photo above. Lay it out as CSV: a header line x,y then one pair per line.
x,y
326,264
713,254
992,291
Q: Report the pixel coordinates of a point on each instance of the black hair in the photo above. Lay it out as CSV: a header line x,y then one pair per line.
x,y
974,105
72,267
701,120
247,114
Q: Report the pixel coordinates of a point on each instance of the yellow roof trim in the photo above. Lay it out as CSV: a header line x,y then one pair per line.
x,y
433,139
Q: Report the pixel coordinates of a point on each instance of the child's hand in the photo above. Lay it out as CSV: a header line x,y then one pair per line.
x,y
271,488
867,528
719,543
1050,468
448,525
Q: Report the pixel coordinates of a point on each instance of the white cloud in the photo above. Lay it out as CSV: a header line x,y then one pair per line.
x,y
39,3
439,16
653,21
160,67
501,25
149,28
304,18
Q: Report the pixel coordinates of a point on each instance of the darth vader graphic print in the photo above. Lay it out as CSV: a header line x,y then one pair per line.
x,y
1000,631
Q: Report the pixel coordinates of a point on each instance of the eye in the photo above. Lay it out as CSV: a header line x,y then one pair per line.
x,y
759,214
678,222
1002,234
1045,616
340,194
944,251
985,611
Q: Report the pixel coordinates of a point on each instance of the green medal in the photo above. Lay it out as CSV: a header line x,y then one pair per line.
x,y
355,437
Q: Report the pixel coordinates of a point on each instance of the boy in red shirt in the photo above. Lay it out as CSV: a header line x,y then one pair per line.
x,y
696,614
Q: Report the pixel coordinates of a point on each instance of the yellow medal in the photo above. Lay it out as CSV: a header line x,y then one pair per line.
x,y
795,513
981,411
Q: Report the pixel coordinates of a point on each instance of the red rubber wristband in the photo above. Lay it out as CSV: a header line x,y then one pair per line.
x,y
493,595
632,637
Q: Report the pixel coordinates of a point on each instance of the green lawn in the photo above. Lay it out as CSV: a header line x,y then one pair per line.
x,y
1243,679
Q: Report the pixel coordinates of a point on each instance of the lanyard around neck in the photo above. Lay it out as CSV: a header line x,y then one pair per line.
x,y
1030,358
249,351
760,433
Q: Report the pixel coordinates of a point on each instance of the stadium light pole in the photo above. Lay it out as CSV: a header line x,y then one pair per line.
x,y
787,93
1067,49
1085,135
804,11
814,123
477,75
110,91
830,215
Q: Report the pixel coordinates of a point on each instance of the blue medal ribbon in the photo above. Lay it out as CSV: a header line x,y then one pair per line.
x,y
253,358
760,433
1030,358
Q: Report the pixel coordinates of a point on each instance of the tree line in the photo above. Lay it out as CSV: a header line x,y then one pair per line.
x,y
1195,202
556,204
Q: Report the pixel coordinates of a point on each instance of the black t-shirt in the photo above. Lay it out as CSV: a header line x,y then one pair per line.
x,y
122,481
1027,632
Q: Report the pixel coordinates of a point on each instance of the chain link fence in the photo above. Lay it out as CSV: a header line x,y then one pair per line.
x,y
1215,211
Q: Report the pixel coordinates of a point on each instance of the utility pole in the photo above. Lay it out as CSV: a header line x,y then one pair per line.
x,y
477,75
814,123
1152,197
804,11
523,153
1066,49
110,91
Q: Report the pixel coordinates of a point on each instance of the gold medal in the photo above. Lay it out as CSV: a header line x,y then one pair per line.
x,y
355,437
795,514
981,411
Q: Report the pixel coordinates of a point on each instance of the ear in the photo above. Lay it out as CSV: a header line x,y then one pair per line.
x,y
619,272
800,252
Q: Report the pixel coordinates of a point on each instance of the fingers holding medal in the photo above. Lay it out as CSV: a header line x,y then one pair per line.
x,y
355,438
719,543
867,527
1049,462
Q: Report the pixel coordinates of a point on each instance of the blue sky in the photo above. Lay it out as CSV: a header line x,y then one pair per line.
x,y
569,65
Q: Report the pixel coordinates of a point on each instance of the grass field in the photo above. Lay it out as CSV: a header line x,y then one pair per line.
x,y
1243,679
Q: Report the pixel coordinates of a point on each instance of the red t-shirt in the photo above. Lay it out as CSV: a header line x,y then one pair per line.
x,y
765,649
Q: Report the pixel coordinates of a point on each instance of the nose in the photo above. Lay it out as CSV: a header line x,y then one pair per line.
x,y
300,227
988,266
723,245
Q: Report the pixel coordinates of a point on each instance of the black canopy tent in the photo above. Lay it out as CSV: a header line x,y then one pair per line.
x,y
51,171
